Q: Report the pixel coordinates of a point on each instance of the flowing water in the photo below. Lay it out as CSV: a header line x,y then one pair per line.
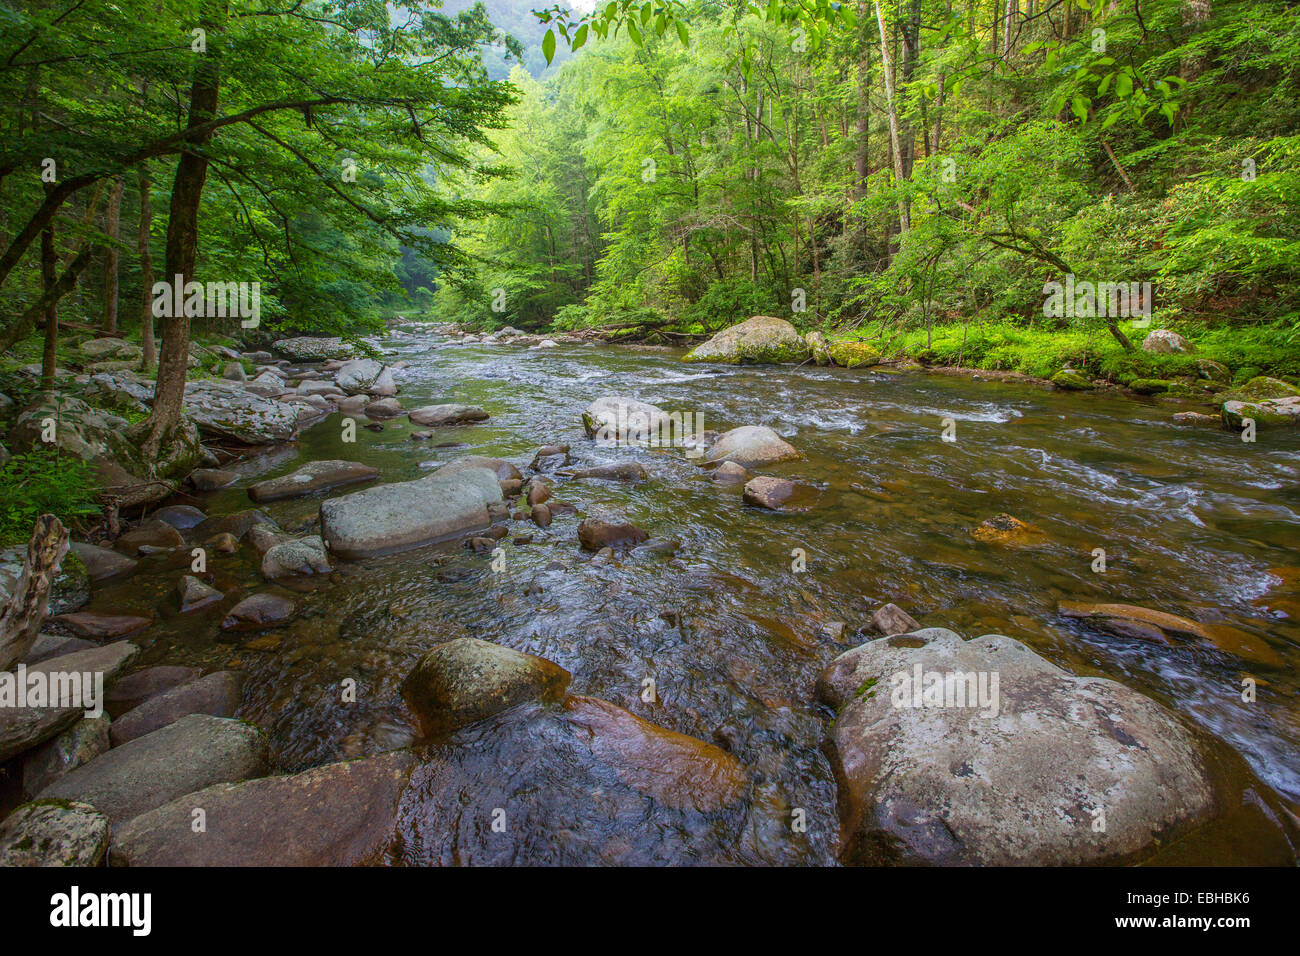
x,y
729,629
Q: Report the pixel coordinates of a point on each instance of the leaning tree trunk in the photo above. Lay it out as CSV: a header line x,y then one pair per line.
x,y
182,241
23,613
887,68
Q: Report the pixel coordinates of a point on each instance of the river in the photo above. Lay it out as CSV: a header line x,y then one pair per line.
x,y
728,627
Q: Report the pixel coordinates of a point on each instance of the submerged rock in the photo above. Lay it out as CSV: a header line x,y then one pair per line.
x,y
762,339
342,814
776,494
750,446
892,619
615,471
259,611
673,769
595,534
729,473
466,680
134,689
98,627
1129,620
312,478
1017,772
1008,530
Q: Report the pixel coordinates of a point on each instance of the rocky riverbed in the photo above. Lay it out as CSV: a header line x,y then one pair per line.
x,y
424,596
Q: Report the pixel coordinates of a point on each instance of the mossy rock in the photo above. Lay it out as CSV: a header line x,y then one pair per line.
x,y
855,354
1072,381
1149,386
760,340
1183,390
1262,386
1263,413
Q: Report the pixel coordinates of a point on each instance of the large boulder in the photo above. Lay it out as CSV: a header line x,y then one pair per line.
x,y
1166,342
229,411
97,350
54,834
1272,411
342,814
750,446
358,375
25,727
618,420
467,680
396,517
311,348
311,478
983,753
105,441
853,354
196,751
762,339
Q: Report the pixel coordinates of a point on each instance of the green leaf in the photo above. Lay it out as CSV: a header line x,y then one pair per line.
x,y
548,46
634,32
682,33
1123,85
580,37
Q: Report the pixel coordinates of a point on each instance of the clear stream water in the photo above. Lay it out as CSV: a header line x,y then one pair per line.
x,y
1191,521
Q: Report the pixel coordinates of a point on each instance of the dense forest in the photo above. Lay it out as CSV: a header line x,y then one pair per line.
x,y
904,168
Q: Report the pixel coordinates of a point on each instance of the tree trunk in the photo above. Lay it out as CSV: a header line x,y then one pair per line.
x,y
49,277
182,240
112,223
887,68
147,344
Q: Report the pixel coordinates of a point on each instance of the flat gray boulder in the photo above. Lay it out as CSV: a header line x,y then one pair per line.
x,y
233,412
311,478
342,814
750,446
983,753
435,415
617,419
196,751
396,517
311,348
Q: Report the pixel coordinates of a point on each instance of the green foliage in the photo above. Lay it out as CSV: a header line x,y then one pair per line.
x,y
44,482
